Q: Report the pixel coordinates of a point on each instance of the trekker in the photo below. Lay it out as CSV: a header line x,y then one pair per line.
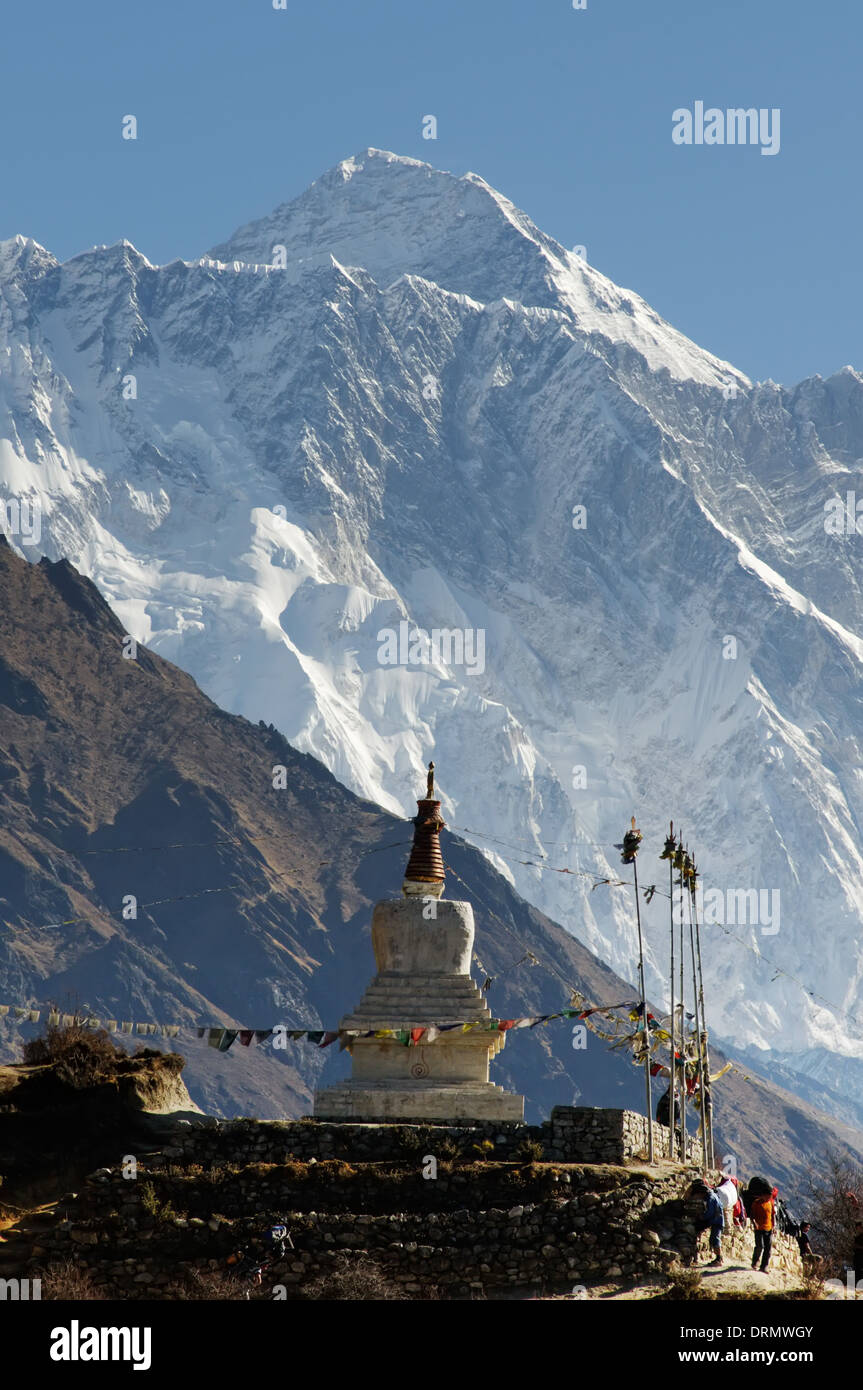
x,y
253,1260
807,1254
663,1117
663,1109
761,1213
706,1212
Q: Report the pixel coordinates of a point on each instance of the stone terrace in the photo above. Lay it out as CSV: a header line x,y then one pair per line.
x,y
482,1219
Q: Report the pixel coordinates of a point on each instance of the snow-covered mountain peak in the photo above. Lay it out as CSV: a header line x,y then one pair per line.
x,y
389,215
21,254
437,416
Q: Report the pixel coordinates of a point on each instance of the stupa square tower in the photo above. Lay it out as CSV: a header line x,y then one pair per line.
x,y
423,990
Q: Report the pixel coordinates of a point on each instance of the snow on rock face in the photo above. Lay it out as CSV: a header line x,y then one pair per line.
x,y
265,469
396,216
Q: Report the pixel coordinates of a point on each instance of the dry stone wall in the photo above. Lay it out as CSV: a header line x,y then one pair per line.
x,y
573,1134
353,1191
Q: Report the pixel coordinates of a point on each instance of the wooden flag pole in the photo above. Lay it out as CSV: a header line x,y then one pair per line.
x,y
678,864
687,870
631,841
668,853
706,1097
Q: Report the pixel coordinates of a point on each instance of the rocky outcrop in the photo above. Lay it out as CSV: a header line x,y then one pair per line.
x,y
51,1125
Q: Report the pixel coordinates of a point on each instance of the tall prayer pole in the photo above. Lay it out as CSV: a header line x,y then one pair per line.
x,y
706,1097
678,864
668,853
687,872
631,841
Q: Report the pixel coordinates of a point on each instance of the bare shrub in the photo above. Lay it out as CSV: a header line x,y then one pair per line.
x,y
529,1151
684,1282
813,1280
79,1055
409,1142
836,1205
484,1149
66,1281
205,1285
447,1149
354,1279
154,1206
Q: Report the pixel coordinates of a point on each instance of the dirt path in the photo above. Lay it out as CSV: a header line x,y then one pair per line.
x,y
734,1277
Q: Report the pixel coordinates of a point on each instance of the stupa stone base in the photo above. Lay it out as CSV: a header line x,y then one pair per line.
x,y
422,1036
418,1101
423,982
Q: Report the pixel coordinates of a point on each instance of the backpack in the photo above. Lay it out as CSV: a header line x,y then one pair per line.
x,y
784,1220
696,1198
758,1187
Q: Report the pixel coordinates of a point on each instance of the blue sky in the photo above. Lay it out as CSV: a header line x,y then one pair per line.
x,y
569,113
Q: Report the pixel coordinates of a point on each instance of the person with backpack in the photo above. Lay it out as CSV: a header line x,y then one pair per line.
x,y
728,1195
251,1261
705,1210
761,1208
807,1254
669,1102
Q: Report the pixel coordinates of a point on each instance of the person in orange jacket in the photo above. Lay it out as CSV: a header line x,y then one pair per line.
x,y
762,1212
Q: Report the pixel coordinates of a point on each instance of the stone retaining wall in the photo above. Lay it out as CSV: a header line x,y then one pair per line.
x,y
574,1134
254,1141
588,1226
485,1218
582,1134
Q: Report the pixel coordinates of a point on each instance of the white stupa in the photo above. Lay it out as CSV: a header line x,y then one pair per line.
x,y
423,946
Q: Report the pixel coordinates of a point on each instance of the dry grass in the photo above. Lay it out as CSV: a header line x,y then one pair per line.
x,y
484,1149
356,1280
66,1281
529,1151
161,1211
78,1055
813,1280
205,1285
684,1282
